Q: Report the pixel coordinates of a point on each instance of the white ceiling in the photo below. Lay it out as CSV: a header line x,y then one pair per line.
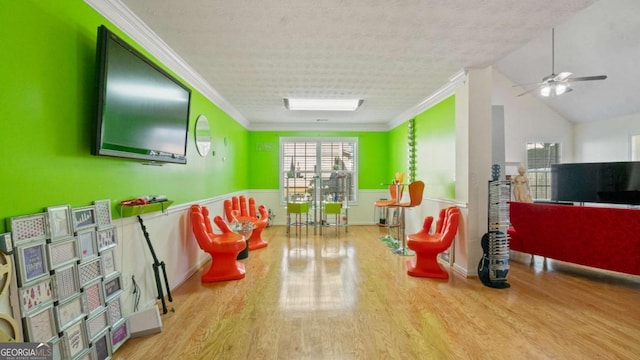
x,y
248,55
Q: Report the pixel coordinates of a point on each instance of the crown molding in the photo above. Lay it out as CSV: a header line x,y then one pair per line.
x,y
129,23
290,126
437,96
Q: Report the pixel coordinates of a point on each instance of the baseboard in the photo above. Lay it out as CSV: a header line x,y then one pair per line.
x,y
462,271
145,322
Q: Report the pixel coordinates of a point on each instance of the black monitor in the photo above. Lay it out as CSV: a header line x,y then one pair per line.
x,y
143,111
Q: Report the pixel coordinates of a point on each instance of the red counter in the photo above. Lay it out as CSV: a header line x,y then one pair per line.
x,y
605,238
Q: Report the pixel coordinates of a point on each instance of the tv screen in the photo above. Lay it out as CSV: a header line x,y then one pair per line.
x,y
610,182
143,112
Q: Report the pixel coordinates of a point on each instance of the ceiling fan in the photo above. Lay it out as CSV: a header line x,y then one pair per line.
x,y
557,84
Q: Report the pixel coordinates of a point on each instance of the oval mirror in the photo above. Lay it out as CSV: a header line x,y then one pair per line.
x,y
203,135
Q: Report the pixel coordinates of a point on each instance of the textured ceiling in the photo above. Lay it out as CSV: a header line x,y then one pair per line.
x,y
392,54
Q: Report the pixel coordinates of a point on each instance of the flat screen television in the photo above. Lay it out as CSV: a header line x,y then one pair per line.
x,y
609,182
143,111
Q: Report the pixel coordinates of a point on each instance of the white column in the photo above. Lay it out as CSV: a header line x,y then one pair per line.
x,y
473,165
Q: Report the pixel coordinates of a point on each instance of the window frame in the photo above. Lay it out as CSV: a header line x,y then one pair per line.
x,y
283,168
531,173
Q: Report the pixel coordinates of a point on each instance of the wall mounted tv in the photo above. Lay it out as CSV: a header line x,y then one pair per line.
x,y
143,112
610,182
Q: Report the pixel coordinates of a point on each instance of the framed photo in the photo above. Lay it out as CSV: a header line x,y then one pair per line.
x,y
84,217
108,262
56,349
65,282
114,309
101,346
103,213
119,334
40,326
69,311
107,238
28,227
89,271
60,224
74,340
87,244
94,297
36,296
31,262
84,355
112,286
97,324
63,252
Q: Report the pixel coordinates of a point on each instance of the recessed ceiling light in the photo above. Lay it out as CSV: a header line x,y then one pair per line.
x,y
323,104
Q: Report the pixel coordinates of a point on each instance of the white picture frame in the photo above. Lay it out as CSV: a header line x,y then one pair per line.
x,y
108,262
65,282
28,228
96,324
84,218
94,297
31,262
36,296
107,238
56,349
69,311
119,334
87,244
60,225
103,213
112,286
90,271
63,252
40,326
101,346
74,340
114,310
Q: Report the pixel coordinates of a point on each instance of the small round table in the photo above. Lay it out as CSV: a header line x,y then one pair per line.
x,y
245,228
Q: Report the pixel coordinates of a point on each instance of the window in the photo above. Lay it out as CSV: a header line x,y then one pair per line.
x,y
311,168
540,157
635,147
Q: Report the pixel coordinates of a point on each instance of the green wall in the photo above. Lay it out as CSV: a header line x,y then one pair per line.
x,y
435,131
47,110
436,152
264,151
399,152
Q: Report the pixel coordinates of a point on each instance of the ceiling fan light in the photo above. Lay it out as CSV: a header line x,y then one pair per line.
x,y
560,89
545,90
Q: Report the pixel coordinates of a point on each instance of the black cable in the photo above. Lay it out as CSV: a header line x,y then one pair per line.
x,y
136,292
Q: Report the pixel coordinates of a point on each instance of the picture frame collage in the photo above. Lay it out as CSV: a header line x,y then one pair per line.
x,y
69,286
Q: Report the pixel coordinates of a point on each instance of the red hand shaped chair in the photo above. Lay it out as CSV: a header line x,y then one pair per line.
x,y
223,248
428,246
249,214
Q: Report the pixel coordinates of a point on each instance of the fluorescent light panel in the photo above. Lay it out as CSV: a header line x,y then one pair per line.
x,y
323,104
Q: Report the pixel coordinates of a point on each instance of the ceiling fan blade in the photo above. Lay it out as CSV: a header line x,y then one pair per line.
x,y
587,78
529,91
562,76
527,85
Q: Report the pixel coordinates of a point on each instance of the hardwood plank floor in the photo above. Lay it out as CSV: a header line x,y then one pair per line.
x,y
347,297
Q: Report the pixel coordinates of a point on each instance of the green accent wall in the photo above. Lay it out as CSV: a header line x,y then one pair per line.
x,y
264,153
47,111
435,130
399,152
436,149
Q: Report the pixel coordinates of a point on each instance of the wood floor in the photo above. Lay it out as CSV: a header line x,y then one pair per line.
x,y
348,297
